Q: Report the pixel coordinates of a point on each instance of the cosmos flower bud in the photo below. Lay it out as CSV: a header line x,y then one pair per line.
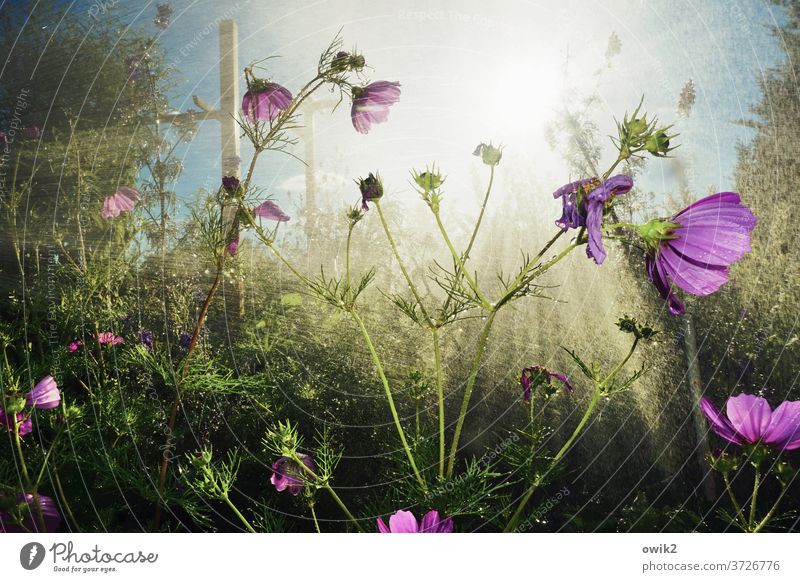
x,y
428,180
371,189
490,154
641,331
658,144
231,184
344,61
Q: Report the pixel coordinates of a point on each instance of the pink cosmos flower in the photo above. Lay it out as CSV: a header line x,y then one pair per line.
x,y
123,200
268,209
265,101
45,394
405,522
108,337
371,104
749,419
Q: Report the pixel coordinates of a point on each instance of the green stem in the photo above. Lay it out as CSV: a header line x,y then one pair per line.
x,y
241,517
473,374
754,498
377,361
325,485
621,365
407,277
347,256
314,515
46,459
480,216
529,493
437,354
343,507
64,502
771,512
739,515
28,483
460,264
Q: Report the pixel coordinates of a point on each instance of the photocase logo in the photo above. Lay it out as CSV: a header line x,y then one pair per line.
x,y
31,555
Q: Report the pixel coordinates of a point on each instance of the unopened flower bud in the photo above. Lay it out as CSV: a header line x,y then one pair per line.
x,y
490,154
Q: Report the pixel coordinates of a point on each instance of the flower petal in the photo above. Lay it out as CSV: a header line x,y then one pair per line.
x,y
690,276
749,415
403,522
382,527
721,425
429,522
784,424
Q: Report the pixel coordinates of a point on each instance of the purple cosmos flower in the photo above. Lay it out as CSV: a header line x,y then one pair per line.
x,y
164,15
124,199
287,473
108,337
30,521
694,249
32,132
371,189
536,375
73,346
185,340
750,420
7,420
268,209
584,203
45,394
146,339
405,522
265,101
371,104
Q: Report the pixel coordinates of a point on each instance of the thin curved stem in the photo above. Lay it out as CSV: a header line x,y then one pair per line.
x,y
485,303
238,513
473,374
403,269
529,493
739,515
314,515
771,512
437,354
754,497
377,361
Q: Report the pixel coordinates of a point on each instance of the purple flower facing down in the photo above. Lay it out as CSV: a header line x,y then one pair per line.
x,y
371,104
45,394
74,346
108,338
123,200
749,419
230,183
265,101
405,522
695,248
7,420
371,188
146,339
537,375
288,475
584,203
30,517
185,340
268,209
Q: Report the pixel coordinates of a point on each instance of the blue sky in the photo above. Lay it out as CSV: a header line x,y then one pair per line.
x,y
474,71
